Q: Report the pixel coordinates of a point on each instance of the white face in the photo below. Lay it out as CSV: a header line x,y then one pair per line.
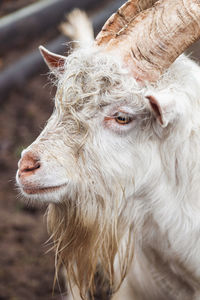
x,y
94,142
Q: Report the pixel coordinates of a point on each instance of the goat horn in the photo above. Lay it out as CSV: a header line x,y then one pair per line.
x,y
120,20
157,36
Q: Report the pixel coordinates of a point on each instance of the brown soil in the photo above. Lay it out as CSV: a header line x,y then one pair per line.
x,y
26,270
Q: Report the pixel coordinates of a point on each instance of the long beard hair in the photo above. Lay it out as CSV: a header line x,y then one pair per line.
x,y
87,240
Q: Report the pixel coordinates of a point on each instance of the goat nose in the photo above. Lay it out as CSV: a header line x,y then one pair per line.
x,y
28,164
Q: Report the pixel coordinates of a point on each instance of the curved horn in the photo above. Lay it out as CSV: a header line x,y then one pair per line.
x,y
120,20
157,36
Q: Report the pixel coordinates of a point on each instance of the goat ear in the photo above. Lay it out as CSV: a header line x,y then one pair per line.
x,y
54,61
163,107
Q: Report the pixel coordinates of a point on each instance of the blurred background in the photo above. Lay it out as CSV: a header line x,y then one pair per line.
x,y
26,102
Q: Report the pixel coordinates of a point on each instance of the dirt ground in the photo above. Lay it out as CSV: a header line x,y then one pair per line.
x,y
26,269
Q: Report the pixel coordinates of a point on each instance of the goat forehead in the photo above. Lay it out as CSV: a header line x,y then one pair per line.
x,y
92,80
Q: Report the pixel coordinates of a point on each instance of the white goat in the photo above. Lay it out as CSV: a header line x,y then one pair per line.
x,y
119,159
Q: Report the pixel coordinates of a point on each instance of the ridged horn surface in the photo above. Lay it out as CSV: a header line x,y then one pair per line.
x,y
157,36
120,20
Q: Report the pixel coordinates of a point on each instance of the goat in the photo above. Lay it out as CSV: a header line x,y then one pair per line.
x,y
119,161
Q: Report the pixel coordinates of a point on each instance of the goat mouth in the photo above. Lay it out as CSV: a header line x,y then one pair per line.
x,y
42,190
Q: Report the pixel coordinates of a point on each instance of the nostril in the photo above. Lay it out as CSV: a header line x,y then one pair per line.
x,y
31,168
28,164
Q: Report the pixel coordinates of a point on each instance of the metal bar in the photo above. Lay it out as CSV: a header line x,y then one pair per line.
x,y
17,74
33,20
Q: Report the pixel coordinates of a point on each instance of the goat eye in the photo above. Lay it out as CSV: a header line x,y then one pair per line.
x,y
122,118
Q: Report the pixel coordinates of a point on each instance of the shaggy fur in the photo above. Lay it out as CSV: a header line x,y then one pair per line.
x,y
128,190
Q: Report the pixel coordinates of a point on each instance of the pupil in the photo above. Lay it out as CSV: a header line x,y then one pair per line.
x,y
122,119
